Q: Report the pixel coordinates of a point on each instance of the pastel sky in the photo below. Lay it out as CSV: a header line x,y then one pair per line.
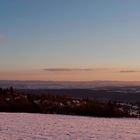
x,y
70,40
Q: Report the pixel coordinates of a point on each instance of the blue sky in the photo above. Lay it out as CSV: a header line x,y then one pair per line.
x,y
39,34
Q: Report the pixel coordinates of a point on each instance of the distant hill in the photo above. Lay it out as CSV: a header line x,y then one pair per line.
x,y
65,84
101,90
98,94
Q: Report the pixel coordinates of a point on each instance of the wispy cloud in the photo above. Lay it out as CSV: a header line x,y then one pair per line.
x,y
78,69
88,70
67,69
129,71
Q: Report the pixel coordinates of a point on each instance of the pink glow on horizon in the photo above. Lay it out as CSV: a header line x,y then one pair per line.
x,y
73,75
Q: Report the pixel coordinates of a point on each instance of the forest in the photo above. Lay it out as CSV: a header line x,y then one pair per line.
x,y
14,101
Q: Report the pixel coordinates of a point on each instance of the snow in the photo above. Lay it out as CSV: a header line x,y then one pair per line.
x,y
23,126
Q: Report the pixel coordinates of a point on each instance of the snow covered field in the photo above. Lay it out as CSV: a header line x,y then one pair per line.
x,y
22,126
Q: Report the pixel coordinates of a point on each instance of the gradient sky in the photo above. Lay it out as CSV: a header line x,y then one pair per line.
x,y
70,40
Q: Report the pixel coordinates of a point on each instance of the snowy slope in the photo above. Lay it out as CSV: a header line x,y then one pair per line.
x,y
22,126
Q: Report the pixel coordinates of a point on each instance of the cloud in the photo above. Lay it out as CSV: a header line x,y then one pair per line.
x,y
67,69
79,69
88,70
129,71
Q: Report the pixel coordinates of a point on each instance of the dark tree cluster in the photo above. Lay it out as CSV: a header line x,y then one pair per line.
x,y
13,101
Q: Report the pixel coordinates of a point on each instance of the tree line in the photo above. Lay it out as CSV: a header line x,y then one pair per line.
x,y
13,101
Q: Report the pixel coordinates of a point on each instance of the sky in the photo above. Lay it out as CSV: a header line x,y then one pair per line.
x,y
72,40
